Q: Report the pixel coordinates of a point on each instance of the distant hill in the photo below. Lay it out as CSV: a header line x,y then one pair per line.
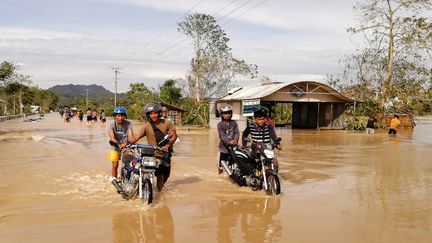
x,y
68,93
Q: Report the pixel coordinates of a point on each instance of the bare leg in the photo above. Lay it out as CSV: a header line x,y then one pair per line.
x,y
114,169
160,182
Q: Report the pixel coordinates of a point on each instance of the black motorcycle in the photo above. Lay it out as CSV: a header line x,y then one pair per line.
x,y
139,162
253,167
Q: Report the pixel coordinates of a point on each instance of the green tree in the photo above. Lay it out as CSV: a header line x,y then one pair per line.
x,y
6,70
169,93
137,97
213,67
395,60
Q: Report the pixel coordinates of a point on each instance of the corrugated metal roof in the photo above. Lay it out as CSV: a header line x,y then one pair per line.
x,y
260,91
253,92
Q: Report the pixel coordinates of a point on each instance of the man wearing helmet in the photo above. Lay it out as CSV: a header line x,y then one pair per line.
x,y
155,130
165,114
121,132
261,131
228,133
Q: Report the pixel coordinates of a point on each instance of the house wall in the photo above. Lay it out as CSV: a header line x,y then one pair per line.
x,y
237,111
318,97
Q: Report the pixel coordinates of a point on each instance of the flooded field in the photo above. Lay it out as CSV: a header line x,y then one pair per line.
x,y
337,187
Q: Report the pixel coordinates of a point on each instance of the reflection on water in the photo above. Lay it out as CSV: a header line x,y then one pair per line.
x,y
155,225
337,186
253,216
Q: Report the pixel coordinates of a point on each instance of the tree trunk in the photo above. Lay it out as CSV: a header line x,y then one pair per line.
x,y
389,69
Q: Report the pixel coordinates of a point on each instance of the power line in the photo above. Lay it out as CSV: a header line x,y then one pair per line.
x,y
226,15
226,6
165,30
244,12
234,10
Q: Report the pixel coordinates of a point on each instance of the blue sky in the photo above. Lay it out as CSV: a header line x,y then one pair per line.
x,y
71,41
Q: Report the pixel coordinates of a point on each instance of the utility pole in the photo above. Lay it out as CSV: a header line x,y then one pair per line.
x,y
116,73
20,98
87,90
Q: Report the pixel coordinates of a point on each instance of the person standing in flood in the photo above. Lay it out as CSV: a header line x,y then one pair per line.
x,y
228,133
155,130
89,115
121,132
394,123
81,115
370,126
94,115
102,117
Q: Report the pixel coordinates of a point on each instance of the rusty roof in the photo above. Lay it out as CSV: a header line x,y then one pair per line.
x,y
260,91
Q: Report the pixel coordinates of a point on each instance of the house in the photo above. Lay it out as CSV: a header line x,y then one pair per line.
x,y
311,104
174,112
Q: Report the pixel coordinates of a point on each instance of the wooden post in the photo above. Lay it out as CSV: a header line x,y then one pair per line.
x,y
318,116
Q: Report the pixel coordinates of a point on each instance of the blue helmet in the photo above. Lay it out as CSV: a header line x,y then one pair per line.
x,y
119,110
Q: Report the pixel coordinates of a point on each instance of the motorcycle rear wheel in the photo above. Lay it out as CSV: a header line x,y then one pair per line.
x,y
147,191
273,184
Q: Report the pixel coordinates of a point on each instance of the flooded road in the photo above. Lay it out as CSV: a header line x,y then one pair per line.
x,y
337,187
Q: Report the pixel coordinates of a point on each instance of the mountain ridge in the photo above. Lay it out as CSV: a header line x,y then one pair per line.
x,y
70,93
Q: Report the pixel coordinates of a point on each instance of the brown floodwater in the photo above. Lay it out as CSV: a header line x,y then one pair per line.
x,y
337,186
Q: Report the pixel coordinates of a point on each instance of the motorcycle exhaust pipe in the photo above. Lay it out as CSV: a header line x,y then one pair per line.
x,y
116,185
226,168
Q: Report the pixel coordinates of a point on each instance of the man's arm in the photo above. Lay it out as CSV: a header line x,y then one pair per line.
x,y
172,130
111,136
236,132
274,137
245,134
133,139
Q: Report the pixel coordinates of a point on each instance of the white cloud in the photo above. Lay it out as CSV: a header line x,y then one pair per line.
x,y
305,40
19,33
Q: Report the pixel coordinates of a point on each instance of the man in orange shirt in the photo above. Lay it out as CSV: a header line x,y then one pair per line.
x,y
393,124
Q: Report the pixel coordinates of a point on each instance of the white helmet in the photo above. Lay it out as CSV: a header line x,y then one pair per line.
x,y
225,108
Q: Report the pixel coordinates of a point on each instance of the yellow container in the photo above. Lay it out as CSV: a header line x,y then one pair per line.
x,y
113,156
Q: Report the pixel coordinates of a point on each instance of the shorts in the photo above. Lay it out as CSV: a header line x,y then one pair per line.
x,y
89,118
392,131
163,170
223,156
370,130
165,167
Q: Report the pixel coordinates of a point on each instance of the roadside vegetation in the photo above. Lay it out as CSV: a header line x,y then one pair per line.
x,y
15,87
391,70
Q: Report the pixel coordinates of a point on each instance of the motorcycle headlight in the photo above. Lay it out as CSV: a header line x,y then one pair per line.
x,y
149,162
269,153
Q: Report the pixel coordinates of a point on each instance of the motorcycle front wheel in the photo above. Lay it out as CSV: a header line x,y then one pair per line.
x,y
273,184
147,191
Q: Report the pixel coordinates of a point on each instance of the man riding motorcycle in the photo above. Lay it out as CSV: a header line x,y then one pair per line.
x,y
155,130
261,132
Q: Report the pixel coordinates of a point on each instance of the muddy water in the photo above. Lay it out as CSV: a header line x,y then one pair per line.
x,y
337,187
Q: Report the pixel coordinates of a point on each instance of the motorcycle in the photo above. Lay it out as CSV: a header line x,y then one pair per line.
x,y
139,162
253,168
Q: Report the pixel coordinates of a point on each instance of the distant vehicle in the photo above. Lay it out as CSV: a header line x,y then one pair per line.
x,y
34,109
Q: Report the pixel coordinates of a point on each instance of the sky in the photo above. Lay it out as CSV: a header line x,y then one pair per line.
x,y
80,41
